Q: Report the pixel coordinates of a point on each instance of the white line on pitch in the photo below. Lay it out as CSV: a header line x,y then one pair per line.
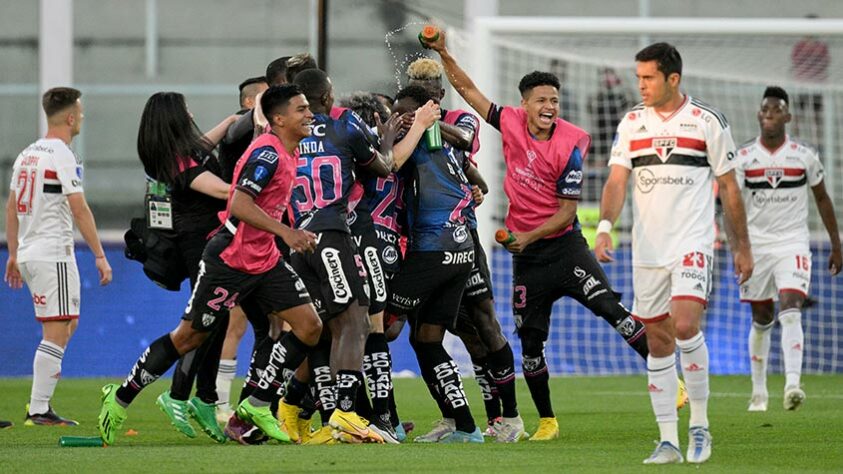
x,y
643,393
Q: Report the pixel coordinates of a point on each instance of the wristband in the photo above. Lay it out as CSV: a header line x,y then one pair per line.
x,y
604,226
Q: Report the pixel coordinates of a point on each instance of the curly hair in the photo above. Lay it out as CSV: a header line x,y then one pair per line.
x,y
424,69
365,104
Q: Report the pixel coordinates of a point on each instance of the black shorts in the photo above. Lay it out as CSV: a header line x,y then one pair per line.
x,y
334,274
431,284
479,285
219,288
550,269
367,247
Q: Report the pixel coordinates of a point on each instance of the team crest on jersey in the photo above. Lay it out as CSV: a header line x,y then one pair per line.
x,y
531,155
208,319
664,146
774,176
390,254
696,112
460,234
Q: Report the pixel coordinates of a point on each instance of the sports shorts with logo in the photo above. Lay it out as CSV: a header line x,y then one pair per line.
x,y
220,287
333,274
689,277
54,287
552,268
478,288
369,250
778,272
430,285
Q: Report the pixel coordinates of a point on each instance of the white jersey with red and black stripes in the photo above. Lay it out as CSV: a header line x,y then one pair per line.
x,y
673,160
775,191
43,175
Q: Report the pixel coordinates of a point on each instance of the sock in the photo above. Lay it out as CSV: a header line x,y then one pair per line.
x,y
635,334
225,377
502,367
287,354
693,355
362,406
46,372
347,384
155,360
483,378
208,365
759,352
307,406
393,410
792,341
260,358
377,365
538,381
296,390
430,382
663,385
322,380
447,377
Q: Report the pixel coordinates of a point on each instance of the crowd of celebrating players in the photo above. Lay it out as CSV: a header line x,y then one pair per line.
x,y
345,221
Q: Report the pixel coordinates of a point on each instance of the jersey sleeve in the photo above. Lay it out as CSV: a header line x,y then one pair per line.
x,y
569,183
620,147
470,123
814,169
740,171
69,172
360,139
721,148
494,117
258,171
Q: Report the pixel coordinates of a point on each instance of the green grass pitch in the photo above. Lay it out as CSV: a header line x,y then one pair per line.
x,y
606,425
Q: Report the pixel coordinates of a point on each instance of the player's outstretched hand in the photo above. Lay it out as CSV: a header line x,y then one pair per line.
x,y
603,248
389,130
300,240
428,114
104,270
438,45
477,195
835,262
12,276
743,265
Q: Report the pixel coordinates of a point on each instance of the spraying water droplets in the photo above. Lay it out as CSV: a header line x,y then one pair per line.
x,y
401,64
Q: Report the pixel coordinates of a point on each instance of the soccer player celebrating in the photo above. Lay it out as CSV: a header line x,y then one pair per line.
x,y
544,156
773,171
45,199
476,325
673,145
335,274
241,262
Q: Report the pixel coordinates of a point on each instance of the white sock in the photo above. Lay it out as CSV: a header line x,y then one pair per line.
x,y
693,355
46,371
792,342
759,353
225,376
663,385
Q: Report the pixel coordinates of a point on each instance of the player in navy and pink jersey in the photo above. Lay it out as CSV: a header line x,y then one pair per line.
x,y
544,156
476,325
335,274
242,262
439,258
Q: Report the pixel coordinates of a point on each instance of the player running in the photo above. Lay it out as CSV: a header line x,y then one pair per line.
x,y
774,171
45,199
544,156
242,263
674,146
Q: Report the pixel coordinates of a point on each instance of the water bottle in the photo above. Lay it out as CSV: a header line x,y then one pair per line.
x,y
504,237
80,441
428,34
433,137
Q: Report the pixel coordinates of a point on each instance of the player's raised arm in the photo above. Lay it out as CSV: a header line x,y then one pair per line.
x,y
425,116
826,209
459,79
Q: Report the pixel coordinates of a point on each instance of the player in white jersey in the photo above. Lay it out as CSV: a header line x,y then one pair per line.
x,y
775,172
45,197
674,146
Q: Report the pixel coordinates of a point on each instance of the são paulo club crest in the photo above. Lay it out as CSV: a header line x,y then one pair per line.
x,y
774,176
663,146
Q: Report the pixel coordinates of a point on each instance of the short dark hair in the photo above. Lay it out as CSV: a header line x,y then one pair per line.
x,y
275,71
297,64
419,94
365,105
248,82
314,84
776,92
59,98
665,55
277,97
535,79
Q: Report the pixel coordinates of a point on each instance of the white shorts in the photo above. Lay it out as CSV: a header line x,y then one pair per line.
x,y
786,271
55,289
689,278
